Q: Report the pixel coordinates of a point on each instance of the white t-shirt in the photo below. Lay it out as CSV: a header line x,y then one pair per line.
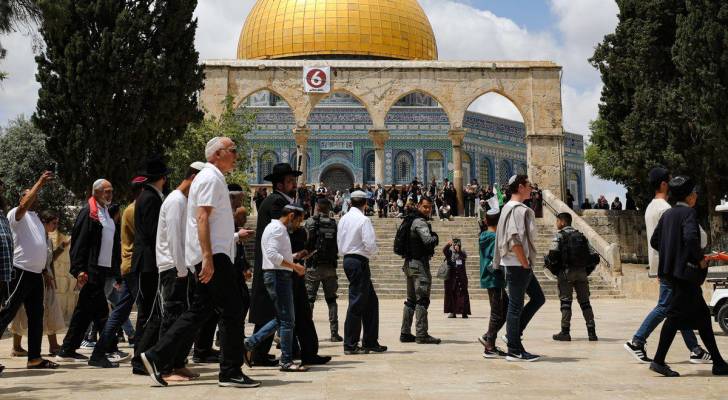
x,y
653,213
170,251
31,247
210,189
107,238
276,246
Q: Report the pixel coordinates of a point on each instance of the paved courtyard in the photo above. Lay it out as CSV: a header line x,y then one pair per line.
x,y
452,370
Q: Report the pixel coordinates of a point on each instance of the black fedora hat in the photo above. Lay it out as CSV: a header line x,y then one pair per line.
x,y
155,167
280,171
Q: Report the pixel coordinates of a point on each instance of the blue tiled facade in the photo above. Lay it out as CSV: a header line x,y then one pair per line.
x,y
494,148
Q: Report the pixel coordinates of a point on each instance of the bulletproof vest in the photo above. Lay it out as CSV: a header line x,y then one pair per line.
x,y
326,247
417,248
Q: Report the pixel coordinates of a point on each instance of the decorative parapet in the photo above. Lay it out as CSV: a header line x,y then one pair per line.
x,y
609,252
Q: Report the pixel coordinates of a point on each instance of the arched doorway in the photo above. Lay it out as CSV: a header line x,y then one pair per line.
x,y
337,177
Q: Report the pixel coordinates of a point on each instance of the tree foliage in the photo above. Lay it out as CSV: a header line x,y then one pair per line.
x,y
23,158
119,82
191,146
665,74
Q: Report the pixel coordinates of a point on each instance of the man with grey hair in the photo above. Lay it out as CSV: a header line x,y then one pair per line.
x,y
209,249
94,249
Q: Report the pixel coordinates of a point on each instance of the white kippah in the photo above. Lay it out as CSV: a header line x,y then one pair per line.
x,y
493,211
197,165
513,179
358,194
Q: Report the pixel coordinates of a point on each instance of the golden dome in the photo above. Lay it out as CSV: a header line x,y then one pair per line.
x,y
395,29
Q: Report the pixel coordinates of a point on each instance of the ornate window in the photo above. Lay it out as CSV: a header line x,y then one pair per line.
x,y
505,172
466,169
403,164
265,164
369,172
484,178
434,166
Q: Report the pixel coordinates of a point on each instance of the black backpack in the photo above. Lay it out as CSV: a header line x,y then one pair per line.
x,y
327,252
576,253
401,239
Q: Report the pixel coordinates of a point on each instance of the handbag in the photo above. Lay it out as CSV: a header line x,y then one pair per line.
x,y
444,271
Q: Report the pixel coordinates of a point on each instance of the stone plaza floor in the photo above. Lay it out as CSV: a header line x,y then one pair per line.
x,y
452,370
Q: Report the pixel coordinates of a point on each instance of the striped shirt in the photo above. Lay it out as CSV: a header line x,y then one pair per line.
x,y
6,249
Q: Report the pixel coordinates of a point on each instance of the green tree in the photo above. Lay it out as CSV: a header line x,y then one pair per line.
x,y
23,158
119,83
662,73
191,146
701,56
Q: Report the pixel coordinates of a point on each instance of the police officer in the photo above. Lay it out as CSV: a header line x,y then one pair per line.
x,y
421,248
321,267
572,261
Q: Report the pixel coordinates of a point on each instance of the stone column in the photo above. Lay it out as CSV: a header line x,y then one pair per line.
x,y
379,137
457,136
546,166
301,135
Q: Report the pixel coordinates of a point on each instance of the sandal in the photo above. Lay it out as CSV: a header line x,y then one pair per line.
x,y
19,353
291,367
44,364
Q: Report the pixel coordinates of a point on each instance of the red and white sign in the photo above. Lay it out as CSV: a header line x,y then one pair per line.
x,y
316,79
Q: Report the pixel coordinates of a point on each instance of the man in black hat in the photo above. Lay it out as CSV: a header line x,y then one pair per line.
x,y
262,310
144,261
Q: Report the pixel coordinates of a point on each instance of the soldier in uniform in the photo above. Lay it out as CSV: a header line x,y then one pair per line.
x,y
321,267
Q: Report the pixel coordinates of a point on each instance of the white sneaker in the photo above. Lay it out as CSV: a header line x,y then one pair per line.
x,y
118,356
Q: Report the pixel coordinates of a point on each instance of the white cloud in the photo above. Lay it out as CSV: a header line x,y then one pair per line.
x,y
18,93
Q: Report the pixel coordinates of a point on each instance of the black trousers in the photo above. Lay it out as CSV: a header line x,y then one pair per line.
x,y
206,336
363,308
174,295
26,288
222,293
498,299
148,312
91,307
304,329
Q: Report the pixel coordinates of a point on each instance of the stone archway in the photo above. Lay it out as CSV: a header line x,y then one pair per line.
x,y
337,177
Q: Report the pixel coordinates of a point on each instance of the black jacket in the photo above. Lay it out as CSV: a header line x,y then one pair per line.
x,y
677,238
146,219
86,242
261,305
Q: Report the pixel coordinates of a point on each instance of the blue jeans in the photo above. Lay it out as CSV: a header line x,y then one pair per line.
x,y
114,296
657,315
279,285
521,281
119,314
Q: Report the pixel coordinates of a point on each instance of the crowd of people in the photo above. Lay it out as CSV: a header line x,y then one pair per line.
x,y
180,258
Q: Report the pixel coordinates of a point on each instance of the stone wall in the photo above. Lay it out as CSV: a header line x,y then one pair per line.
x,y
626,228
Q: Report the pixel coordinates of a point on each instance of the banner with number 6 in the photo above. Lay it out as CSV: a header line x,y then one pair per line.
x,y
316,79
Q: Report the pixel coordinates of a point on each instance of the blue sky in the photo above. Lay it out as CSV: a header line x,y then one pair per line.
x,y
563,31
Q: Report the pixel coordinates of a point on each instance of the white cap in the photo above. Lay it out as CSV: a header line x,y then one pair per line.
x,y
198,165
358,194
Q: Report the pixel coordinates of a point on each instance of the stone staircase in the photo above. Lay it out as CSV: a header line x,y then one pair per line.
x,y
388,278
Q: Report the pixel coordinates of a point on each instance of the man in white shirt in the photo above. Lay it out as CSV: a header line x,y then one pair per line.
x,y
516,253
277,268
209,247
174,273
659,178
29,262
358,244
94,246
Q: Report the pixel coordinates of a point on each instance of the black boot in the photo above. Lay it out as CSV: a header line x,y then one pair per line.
x,y
562,336
592,330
